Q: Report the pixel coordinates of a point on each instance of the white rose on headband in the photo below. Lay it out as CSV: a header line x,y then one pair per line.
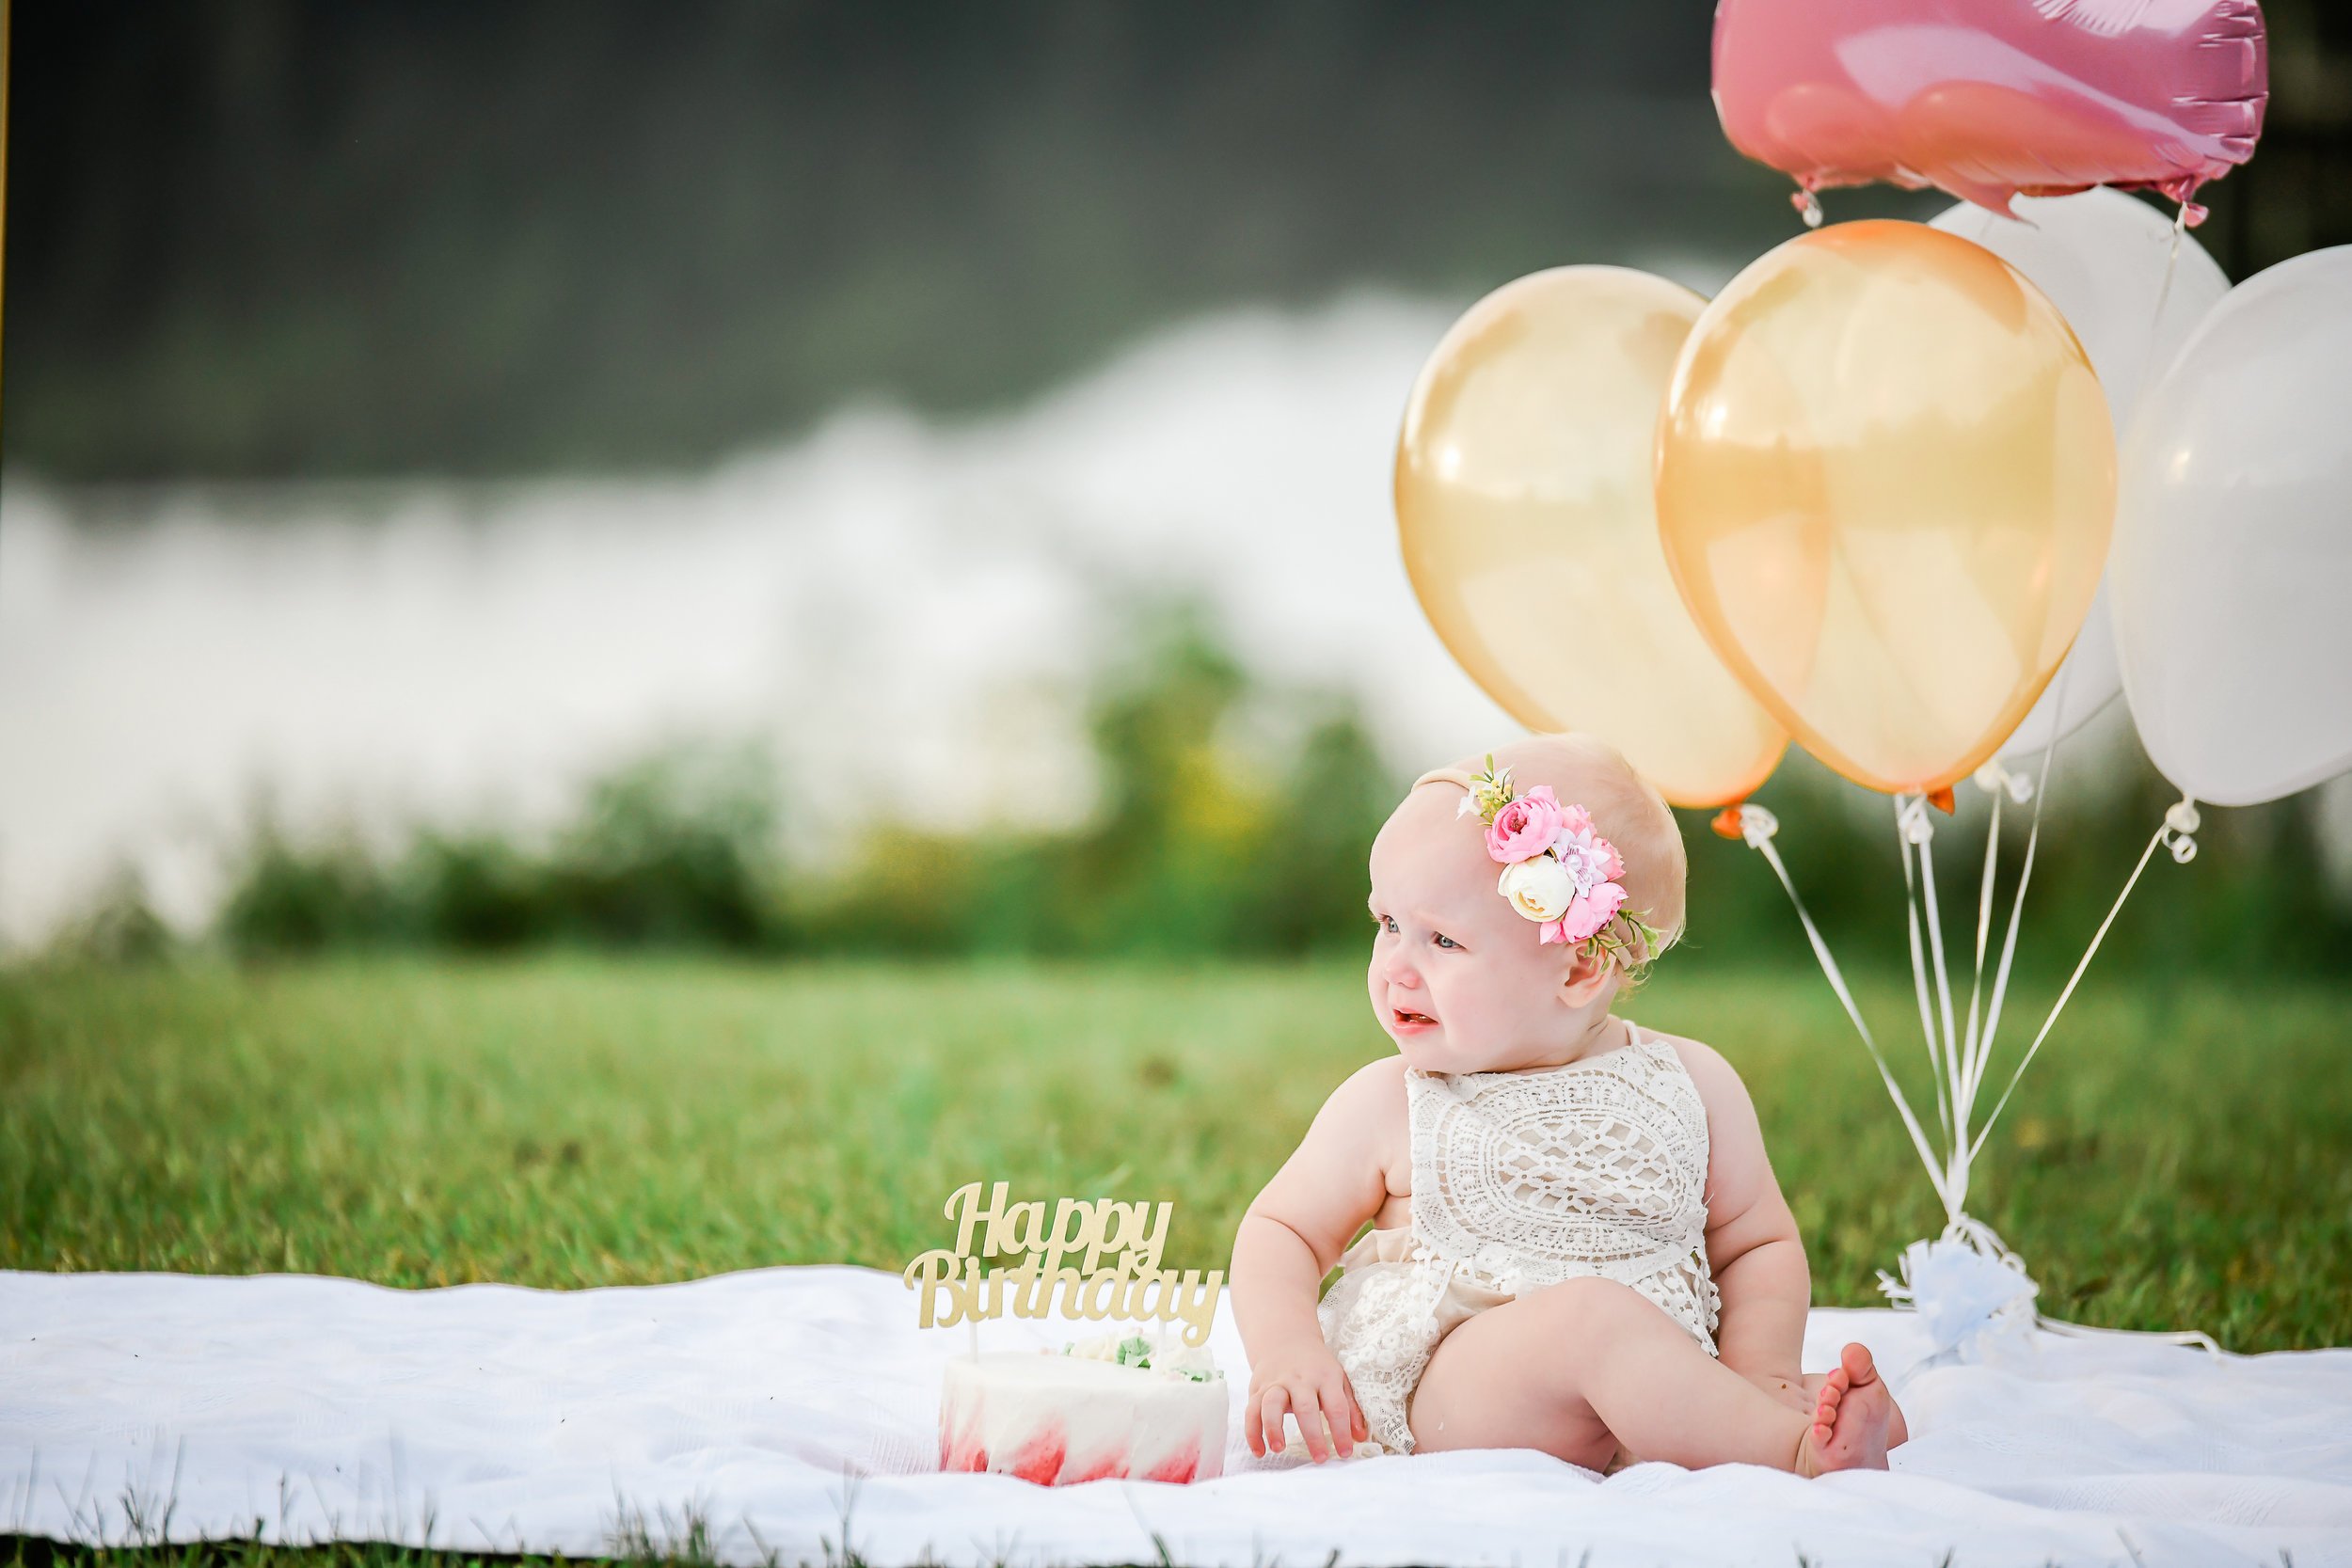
x,y
1540,889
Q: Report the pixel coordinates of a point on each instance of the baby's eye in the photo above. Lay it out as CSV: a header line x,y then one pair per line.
x,y
1385,923
1444,941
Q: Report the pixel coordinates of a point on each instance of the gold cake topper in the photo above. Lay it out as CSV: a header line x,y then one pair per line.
x,y
953,1289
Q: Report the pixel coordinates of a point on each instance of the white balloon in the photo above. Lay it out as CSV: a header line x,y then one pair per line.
x,y
2103,257
2087,679
2231,566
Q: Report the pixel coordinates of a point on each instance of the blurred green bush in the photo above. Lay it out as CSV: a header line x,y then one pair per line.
x,y
1233,819
1203,845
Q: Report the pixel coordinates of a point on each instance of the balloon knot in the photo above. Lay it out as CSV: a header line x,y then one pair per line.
x,y
1747,821
1993,779
2181,822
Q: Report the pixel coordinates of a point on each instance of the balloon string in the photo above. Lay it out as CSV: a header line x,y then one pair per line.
x,y
2150,371
1982,1057
1837,983
2163,1336
1944,1107
1925,849
2088,953
1916,831
1985,925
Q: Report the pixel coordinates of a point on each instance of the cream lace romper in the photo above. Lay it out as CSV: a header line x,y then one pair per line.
x,y
1524,1180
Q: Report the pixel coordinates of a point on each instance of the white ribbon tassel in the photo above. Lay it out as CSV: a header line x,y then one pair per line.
x,y
1970,1296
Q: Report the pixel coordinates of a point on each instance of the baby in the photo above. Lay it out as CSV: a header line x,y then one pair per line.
x,y
1578,1244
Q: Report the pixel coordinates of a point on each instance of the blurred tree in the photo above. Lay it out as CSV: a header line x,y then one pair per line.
x,y
295,899
1312,878
1181,817
1207,846
268,237
118,927
677,850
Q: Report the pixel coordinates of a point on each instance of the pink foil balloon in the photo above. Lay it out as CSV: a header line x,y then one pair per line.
x,y
1993,99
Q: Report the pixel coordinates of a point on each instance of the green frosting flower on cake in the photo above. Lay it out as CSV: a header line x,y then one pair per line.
x,y
1138,1351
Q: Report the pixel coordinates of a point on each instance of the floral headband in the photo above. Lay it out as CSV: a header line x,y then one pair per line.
x,y
1556,868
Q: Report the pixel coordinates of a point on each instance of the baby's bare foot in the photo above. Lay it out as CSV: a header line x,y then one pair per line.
x,y
1848,1430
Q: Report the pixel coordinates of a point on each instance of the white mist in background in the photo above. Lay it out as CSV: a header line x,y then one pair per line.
x,y
890,598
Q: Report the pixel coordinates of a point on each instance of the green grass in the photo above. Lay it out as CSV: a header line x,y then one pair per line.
x,y
672,1542
2177,1156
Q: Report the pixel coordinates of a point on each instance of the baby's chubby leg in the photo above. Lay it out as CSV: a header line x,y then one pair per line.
x,y
1575,1368
1802,1393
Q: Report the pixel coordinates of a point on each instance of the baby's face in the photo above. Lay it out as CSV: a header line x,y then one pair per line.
x,y
1459,979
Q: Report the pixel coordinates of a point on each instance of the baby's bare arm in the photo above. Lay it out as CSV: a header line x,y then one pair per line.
x,y
1754,1248
1295,1228
1289,1237
1752,1242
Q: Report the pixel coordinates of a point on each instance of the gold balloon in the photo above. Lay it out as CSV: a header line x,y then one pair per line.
x,y
1885,482
1524,505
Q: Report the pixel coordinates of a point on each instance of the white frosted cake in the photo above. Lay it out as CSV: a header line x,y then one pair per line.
x,y
1103,1409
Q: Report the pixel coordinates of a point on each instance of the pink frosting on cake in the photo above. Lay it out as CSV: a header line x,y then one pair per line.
x,y
1061,1420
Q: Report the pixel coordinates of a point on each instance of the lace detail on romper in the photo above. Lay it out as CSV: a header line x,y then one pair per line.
x,y
1520,1180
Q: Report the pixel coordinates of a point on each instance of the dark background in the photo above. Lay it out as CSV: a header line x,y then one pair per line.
x,y
271,238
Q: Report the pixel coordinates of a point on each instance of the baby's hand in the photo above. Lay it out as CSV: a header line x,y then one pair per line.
x,y
1306,1381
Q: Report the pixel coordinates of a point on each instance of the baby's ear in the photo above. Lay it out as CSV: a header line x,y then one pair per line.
x,y
1587,977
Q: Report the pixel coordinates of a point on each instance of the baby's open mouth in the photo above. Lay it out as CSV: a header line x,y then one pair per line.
x,y
1404,1017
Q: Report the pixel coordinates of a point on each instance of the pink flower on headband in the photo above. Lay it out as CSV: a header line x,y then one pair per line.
x,y
1528,825
1587,913
1591,859
1557,870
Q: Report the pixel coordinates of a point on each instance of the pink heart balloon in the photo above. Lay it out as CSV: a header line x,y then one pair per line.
x,y
1993,99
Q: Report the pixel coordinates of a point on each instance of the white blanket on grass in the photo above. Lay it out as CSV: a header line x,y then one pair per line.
x,y
773,1404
